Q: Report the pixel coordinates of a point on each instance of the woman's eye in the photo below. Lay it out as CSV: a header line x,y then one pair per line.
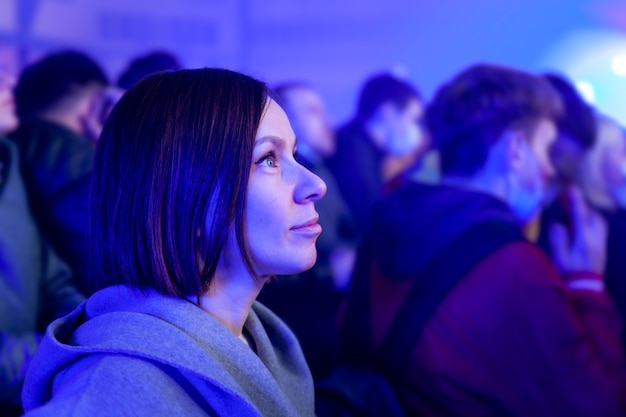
x,y
268,160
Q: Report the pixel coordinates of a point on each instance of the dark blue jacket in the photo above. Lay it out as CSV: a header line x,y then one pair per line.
x,y
35,285
56,165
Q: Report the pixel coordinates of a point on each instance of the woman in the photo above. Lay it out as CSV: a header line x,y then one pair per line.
x,y
601,173
196,201
601,176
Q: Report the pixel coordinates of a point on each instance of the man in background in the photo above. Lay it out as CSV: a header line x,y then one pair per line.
x,y
384,137
482,322
35,286
60,103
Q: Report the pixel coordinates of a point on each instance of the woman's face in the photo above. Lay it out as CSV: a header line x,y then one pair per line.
x,y
281,221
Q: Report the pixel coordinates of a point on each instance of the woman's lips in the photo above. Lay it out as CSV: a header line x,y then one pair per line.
x,y
310,227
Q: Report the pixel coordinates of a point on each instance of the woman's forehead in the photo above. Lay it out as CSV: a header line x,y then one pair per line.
x,y
275,123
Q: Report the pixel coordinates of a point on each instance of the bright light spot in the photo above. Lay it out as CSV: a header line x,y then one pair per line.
x,y
597,59
619,65
587,91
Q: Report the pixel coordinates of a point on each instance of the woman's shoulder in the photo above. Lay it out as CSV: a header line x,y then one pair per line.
x,y
115,384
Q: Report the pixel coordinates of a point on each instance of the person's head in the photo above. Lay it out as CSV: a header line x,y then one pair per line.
x,y
63,87
8,116
144,65
576,128
495,124
195,176
601,173
307,114
391,110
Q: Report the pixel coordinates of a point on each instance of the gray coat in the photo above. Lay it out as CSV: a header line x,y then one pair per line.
x,y
127,352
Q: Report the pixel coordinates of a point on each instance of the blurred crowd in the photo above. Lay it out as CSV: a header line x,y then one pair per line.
x,y
473,254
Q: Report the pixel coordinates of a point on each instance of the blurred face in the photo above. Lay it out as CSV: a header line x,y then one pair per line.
x,y
89,102
540,145
8,117
534,171
281,221
613,168
566,155
309,120
405,134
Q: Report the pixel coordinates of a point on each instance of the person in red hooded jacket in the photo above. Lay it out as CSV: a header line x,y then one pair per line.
x,y
514,335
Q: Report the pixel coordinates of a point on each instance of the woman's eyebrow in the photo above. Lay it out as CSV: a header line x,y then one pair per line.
x,y
275,140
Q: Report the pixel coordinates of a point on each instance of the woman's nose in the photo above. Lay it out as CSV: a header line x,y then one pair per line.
x,y
310,187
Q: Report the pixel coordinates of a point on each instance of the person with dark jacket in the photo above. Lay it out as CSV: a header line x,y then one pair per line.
x,y
509,333
601,176
590,152
577,133
384,137
58,101
35,286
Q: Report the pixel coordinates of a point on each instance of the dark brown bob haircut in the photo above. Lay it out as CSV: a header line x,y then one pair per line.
x,y
170,179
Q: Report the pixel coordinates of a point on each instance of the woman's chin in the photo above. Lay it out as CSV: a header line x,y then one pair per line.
x,y
297,266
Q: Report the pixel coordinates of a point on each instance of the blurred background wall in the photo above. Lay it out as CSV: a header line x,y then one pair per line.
x,y
336,44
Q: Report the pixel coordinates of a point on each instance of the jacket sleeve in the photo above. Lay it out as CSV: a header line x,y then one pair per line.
x,y
58,294
16,353
570,339
359,179
58,297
